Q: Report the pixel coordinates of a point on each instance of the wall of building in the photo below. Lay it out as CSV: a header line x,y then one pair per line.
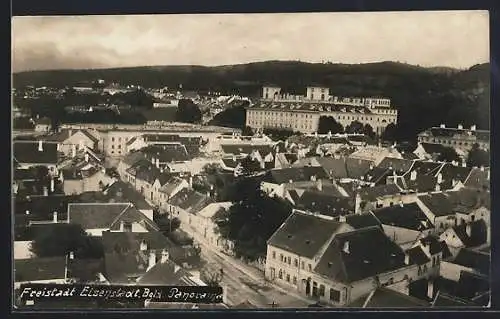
x,y
301,121
292,269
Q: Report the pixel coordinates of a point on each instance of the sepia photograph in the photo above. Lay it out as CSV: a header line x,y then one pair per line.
x,y
251,161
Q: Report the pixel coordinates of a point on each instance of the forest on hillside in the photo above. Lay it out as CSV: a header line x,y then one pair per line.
x,y
424,96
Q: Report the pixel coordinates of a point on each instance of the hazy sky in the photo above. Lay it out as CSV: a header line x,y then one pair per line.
x,y
453,38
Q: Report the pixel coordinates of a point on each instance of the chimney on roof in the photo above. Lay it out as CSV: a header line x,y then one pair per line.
x,y
473,128
73,150
40,146
440,178
482,168
122,226
464,164
413,175
80,144
401,203
430,289
437,188
58,147
151,260
407,258
164,256
71,255
319,185
313,178
442,126
45,191
345,249
488,175
143,245
371,166
460,127
27,212
86,157
54,217
342,219
52,185
468,230
157,163
234,158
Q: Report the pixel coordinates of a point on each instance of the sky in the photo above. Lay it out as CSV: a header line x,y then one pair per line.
x,y
457,39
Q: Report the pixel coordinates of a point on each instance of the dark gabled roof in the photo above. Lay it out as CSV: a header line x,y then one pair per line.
x,y
190,200
373,193
230,163
451,172
133,157
417,256
24,174
472,285
85,270
478,179
445,250
324,204
291,157
357,167
370,253
118,267
165,273
120,191
408,216
388,298
478,236
359,221
438,203
96,215
295,174
470,198
432,242
422,183
27,152
425,168
377,175
473,259
42,208
246,149
148,173
400,166
60,136
39,269
335,167
164,177
166,153
303,234
432,148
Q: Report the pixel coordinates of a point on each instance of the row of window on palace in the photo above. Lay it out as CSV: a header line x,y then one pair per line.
x,y
288,260
338,117
302,126
450,142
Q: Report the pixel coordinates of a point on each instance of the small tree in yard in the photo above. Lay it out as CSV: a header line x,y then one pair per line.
x,y
212,275
65,238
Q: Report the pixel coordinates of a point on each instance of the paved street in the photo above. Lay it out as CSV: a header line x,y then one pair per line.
x,y
243,282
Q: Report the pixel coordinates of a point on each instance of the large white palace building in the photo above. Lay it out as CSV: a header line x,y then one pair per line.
x,y
301,113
